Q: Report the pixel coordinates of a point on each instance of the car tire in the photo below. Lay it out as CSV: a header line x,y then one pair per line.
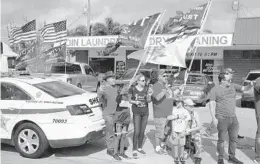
x,y
79,85
39,138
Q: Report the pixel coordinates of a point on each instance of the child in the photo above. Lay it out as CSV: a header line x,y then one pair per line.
x,y
179,125
193,138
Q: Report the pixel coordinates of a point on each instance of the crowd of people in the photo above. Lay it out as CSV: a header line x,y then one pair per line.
x,y
177,124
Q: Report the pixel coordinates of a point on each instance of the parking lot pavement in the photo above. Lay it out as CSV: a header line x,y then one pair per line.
x,y
95,153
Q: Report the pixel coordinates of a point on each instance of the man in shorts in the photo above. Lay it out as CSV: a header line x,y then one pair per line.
x,y
162,98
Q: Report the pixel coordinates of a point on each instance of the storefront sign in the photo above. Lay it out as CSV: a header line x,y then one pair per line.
x,y
206,53
206,40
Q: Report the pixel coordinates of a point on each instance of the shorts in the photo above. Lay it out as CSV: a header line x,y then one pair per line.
x,y
176,140
159,127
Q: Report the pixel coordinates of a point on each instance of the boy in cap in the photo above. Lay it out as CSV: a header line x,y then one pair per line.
x,y
193,143
107,93
179,125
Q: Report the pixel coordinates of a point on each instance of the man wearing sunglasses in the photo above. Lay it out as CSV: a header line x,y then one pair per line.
x,y
223,111
162,98
231,73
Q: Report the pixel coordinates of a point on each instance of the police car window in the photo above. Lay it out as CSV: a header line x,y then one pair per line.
x,y
59,89
11,92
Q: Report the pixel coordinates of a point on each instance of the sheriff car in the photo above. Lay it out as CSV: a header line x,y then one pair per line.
x,y
37,113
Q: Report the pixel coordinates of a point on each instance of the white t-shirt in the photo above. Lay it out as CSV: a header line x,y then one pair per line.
x,y
180,124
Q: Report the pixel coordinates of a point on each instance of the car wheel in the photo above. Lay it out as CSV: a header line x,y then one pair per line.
x,y
79,85
30,141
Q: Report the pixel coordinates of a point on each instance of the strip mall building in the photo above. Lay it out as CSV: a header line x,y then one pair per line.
x,y
239,51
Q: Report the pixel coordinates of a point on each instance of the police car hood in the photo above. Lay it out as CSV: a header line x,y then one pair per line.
x,y
88,98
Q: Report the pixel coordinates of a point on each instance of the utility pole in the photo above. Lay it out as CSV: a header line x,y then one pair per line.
x,y
236,6
87,12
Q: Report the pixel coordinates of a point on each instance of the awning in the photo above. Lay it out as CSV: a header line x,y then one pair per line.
x,y
247,31
7,51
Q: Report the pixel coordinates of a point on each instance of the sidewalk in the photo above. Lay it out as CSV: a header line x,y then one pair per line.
x,y
245,151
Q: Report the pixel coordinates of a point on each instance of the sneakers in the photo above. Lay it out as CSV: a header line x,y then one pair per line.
x,y
116,157
124,156
220,161
197,160
176,161
234,161
160,152
141,151
135,155
182,160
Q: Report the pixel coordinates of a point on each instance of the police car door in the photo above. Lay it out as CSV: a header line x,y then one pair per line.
x,y
12,100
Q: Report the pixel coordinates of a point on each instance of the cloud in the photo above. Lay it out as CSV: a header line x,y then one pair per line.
x,y
56,15
101,17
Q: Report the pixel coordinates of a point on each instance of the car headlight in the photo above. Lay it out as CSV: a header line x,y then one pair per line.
x,y
79,109
196,93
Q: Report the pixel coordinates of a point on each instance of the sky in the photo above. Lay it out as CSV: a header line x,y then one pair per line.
x,y
221,17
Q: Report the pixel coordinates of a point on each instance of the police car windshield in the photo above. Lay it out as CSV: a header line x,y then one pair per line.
x,y
59,89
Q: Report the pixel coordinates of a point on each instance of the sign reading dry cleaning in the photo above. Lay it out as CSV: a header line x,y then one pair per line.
x,y
206,40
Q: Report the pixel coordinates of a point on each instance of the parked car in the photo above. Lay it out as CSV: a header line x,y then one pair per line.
x,y
247,99
197,87
37,113
78,74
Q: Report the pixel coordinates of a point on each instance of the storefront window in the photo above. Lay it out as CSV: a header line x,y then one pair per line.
x,y
195,65
102,65
208,67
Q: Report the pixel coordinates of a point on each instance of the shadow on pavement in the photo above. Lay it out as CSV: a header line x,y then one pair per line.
x,y
151,137
245,145
9,148
84,150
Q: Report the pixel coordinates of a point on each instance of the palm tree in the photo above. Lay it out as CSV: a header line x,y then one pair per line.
x,y
110,27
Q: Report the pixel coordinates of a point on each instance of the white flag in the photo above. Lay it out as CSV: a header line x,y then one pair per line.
x,y
172,54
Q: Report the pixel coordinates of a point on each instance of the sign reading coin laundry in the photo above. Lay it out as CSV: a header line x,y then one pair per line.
x,y
206,40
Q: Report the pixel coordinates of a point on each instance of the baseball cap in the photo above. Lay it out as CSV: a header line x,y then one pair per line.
x,y
228,70
189,102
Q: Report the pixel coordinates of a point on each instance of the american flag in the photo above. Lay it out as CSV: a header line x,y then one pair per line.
x,y
54,32
24,33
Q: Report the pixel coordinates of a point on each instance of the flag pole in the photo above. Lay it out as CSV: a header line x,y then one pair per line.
x,y
199,32
196,46
147,44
